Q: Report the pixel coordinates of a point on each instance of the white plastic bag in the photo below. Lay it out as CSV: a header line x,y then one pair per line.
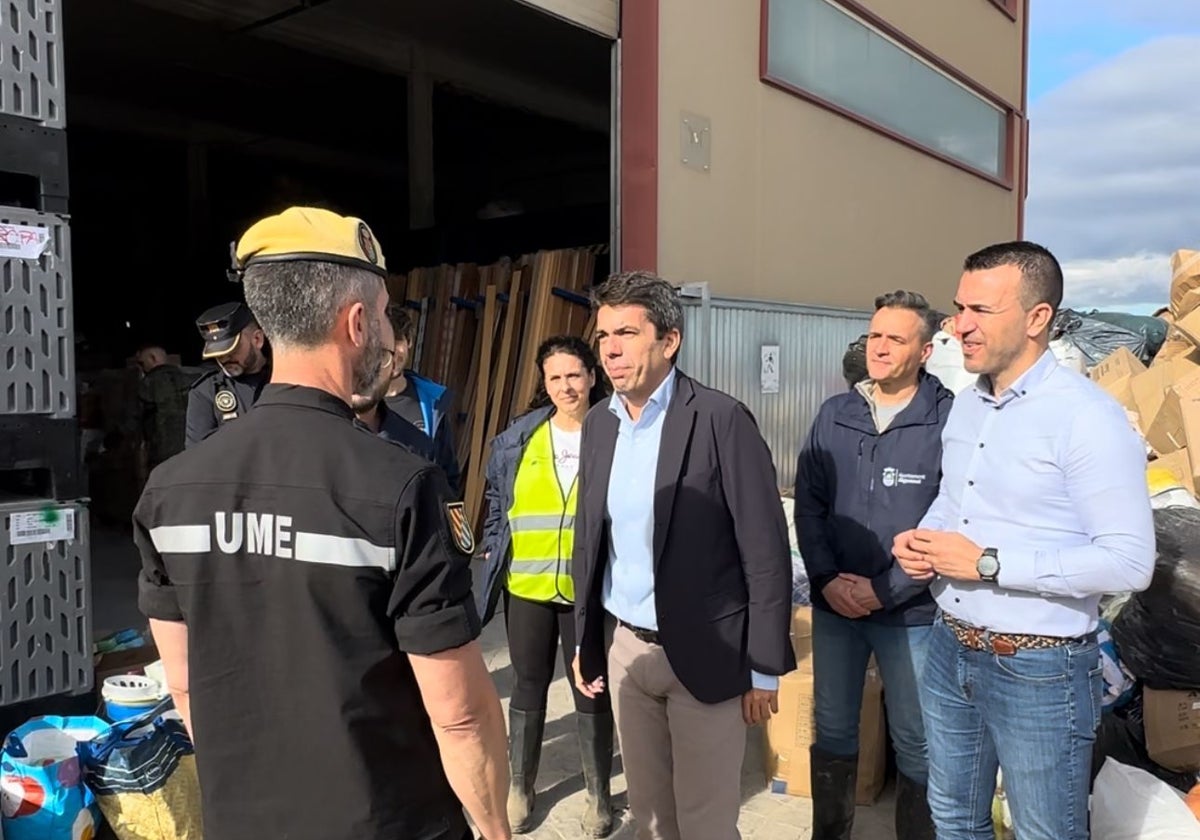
x,y
1069,354
1131,804
946,363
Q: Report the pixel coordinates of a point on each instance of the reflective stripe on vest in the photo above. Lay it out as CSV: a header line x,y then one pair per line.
x,y
542,523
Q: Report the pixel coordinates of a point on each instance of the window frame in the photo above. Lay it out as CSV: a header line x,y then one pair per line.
x,y
1012,115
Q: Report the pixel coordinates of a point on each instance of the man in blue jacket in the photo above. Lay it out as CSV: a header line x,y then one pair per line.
x,y
869,470
420,401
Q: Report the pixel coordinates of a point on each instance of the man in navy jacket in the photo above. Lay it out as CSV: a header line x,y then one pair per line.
x,y
869,470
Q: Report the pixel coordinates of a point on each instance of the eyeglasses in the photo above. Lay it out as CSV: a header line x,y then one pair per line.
x,y
389,358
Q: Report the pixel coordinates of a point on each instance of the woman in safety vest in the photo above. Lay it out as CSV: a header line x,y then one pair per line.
x,y
528,535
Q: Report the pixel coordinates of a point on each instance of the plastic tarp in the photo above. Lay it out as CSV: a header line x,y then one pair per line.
x,y
1098,338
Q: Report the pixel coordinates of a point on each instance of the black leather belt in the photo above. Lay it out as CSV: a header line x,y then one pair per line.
x,y
650,637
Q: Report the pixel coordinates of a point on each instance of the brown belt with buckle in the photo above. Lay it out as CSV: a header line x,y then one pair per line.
x,y
1001,644
650,637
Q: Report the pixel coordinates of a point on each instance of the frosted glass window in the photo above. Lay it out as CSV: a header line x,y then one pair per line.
x,y
820,49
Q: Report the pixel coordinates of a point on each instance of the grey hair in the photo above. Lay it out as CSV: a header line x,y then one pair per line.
x,y
297,302
649,291
913,302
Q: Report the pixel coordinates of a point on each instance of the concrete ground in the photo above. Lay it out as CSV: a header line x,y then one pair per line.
x,y
560,796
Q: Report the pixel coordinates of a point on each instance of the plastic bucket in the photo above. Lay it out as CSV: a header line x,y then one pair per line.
x,y
129,695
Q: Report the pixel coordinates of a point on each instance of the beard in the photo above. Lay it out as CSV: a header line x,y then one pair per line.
x,y
362,403
368,366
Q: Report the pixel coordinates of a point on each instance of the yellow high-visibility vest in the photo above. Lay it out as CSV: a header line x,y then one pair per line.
x,y
542,519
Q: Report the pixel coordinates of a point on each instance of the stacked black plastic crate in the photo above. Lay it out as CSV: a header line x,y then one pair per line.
x,y
45,598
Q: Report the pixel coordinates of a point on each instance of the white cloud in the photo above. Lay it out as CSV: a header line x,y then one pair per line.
x,y
1115,170
1139,283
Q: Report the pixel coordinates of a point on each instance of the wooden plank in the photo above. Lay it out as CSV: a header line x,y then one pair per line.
x,y
489,275
504,399
474,489
503,372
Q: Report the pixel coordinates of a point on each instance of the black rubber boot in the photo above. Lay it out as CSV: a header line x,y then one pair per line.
x,y
524,751
596,754
913,821
834,780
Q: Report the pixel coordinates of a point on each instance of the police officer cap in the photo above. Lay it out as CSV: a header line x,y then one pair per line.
x,y
222,326
308,234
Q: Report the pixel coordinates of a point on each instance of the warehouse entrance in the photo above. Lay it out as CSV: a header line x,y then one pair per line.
x,y
469,134
461,130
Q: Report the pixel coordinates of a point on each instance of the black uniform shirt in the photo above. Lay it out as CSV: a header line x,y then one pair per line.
x,y
307,557
204,416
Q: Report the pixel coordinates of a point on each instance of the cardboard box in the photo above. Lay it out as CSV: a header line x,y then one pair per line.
x,y
1185,277
1179,465
788,735
1158,390
1172,728
1114,373
802,638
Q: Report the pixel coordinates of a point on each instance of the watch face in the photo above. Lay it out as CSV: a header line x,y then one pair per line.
x,y
988,566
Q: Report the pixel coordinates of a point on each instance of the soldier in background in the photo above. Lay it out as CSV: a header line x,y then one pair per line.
x,y
234,340
162,405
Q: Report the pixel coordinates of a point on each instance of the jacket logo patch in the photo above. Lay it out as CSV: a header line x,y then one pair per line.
x,y
460,529
225,401
893,477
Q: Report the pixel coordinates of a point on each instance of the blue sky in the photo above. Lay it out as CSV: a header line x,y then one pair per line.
x,y
1115,143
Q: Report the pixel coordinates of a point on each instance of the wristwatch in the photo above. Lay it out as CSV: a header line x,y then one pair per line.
x,y
988,565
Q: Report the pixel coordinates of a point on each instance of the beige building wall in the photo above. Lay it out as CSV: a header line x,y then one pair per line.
x,y
801,204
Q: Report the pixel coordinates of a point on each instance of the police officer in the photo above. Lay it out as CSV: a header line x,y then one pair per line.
x,y
308,583
234,341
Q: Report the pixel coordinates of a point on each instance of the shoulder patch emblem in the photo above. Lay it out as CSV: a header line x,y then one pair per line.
x,y
460,529
225,401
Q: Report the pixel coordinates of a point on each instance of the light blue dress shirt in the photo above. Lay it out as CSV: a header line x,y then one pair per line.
x,y
628,589
1052,475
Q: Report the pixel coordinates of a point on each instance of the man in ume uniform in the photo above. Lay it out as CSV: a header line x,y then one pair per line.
x,y
308,583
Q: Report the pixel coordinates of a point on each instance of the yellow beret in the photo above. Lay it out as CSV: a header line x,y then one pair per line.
x,y
309,234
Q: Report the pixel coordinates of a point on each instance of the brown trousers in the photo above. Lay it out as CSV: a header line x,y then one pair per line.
x,y
682,758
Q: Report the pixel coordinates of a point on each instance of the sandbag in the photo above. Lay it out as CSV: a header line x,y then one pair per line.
x,y
1158,631
1098,339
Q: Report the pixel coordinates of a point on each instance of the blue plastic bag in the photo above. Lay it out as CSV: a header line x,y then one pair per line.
x,y
42,792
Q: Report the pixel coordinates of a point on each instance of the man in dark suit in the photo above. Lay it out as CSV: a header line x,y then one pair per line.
x,y
682,570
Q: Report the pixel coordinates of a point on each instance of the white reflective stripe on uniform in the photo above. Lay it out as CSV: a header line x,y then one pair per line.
x,y
182,539
343,551
541,522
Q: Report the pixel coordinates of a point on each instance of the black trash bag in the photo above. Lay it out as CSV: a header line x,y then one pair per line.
x,y
1097,339
1122,737
854,362
1158,632
1152,330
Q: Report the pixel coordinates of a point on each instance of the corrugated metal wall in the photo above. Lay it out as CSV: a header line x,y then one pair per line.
x,y
811,344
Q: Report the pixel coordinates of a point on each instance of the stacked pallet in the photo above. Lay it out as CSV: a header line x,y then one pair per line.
x,y
478,331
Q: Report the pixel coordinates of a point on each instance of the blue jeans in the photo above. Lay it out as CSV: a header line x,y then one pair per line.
x,y
841,649
1034,714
